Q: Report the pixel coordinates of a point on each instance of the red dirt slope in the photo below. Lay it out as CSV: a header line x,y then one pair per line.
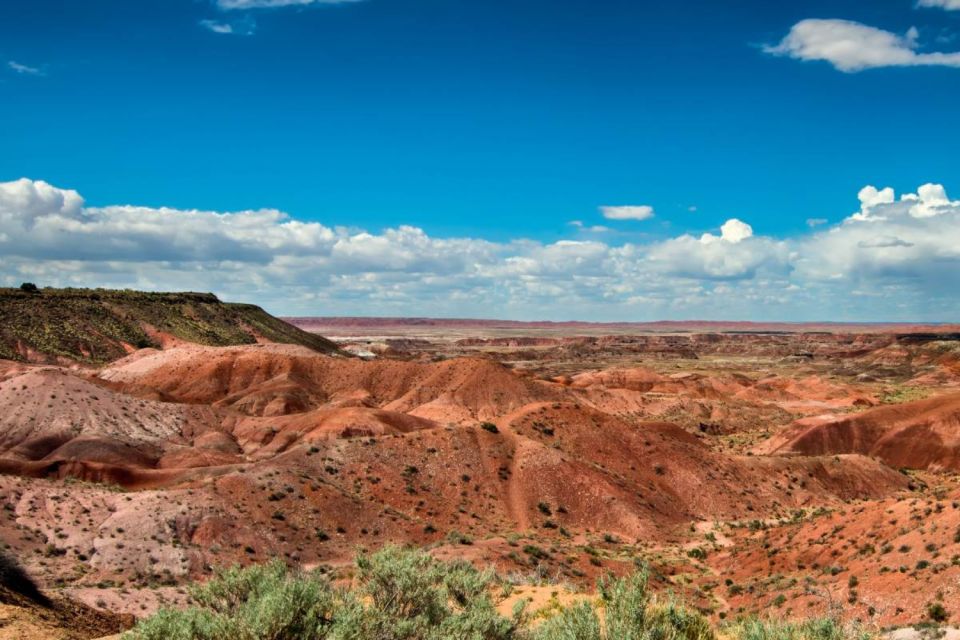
x,y
918,435
274,380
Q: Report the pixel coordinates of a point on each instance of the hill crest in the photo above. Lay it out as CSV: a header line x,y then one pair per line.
x,y
95,326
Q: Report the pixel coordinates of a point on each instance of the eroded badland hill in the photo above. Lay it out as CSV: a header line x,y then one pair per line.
x,y
145,440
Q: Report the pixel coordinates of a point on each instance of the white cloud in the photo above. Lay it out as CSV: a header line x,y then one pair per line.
x,y
930,200
949,5
217,27
851,46
734,254
44,221
23,69
631,212
816,222
894,258
596,228
29,199
267,4
869,198
244,27
913,241
732,231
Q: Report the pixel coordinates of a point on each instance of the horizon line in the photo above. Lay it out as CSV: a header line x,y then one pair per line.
x,y
938,323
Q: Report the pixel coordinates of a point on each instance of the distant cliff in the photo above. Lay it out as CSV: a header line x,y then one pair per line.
x,y
95,326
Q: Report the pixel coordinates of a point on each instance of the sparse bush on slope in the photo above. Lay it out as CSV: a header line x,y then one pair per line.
x,y
402,594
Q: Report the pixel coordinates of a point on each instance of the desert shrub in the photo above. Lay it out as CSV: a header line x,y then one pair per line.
x,y
399,595
577,622
403,594
455,537
195,624
812,629
625,603
408,595
261,602
625,612
937,612
675,621
698,553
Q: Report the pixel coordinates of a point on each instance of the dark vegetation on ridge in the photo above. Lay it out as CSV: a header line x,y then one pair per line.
x,y
100,325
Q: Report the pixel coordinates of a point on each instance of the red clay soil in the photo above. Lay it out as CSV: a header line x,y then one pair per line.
x,y
882,562
924,434
272,380
143,475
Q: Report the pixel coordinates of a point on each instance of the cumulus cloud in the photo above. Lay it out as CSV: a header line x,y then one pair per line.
x,y
732,231
893,258
850,46
913,241
734,254
930,200
27,199
630,212
43,221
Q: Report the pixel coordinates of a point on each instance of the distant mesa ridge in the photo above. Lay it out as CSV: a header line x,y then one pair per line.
x,y
926,330
95,326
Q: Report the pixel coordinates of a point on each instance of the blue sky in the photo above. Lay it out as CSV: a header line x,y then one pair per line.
x,y
498,122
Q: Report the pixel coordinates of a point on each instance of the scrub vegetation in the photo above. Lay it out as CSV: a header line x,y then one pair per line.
x,y
403,594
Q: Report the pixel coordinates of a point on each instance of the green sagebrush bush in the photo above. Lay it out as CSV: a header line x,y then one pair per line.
x,y
812,629
264,602
403,594
399,595
625,612
408,595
